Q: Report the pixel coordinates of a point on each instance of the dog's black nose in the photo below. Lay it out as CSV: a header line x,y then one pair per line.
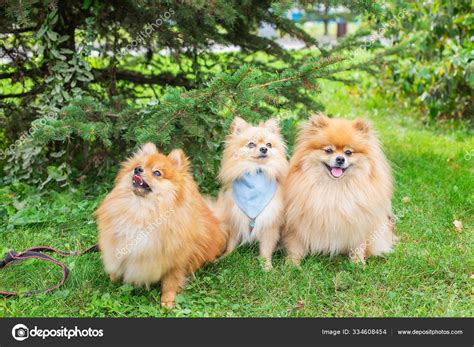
x,y
340,160
263,150
138,170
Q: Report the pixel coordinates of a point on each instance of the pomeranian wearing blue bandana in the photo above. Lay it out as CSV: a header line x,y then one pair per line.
x,y
250,204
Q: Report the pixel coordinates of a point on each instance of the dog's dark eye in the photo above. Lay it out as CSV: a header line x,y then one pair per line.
x,y
157,173
251,145
269,145
348,152
328,150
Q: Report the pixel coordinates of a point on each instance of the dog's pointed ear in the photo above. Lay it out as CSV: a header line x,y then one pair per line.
x,y
238,125
273,125
147,149
178,157
319,121
361,125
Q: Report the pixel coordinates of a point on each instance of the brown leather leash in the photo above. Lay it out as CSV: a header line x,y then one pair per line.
x,y
39,253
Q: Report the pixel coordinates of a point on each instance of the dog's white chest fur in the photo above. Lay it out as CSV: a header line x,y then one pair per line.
x,y
264,221
340,222
138,253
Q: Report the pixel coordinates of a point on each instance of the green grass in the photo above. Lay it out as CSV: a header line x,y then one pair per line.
x,y
427,275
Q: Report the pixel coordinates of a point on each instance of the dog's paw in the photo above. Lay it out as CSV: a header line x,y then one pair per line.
x,y
267,266
293,262
167,304
114,278
357,259
265,263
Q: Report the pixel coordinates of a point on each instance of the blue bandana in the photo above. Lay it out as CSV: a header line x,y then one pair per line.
x,y
252,193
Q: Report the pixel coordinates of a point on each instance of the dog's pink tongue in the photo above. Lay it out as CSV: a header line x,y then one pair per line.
x,y
138,180
336,171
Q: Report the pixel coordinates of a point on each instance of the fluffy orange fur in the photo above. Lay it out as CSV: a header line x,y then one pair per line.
x,y
162,233
341,210
239,159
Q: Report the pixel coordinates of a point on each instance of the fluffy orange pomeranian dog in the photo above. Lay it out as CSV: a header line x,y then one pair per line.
x,y
250,204
155,225
338,192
